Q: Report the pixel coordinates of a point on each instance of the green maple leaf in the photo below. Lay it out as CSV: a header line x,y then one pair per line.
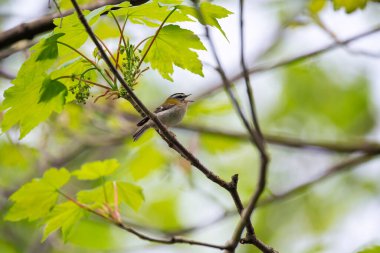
x,y
23,99
64,216
95,170
127,193
35,199
150,14
210,13
174,46
349,5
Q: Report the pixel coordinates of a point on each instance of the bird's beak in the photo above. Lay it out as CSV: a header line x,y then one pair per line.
x,y
188,101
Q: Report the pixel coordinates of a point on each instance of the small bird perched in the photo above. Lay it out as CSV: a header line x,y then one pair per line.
x,y
170,113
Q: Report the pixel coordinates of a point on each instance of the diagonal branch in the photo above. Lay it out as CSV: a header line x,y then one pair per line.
x,y
255,137
333,170
227,87
160,128
120,224
337,146
264,158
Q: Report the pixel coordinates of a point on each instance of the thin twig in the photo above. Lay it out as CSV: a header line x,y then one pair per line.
x,y
336,146
340,167
121,39
234,101
337,40
154,38
245,72
88,60
22,46
141,108
255,138
109,52
84,80
264,159
4,74
295,59
160,128
172,240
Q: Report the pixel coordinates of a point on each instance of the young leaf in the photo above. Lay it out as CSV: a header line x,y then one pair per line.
x,y
210,12
173,46
128,193
35,199
64,216
52,89
95,170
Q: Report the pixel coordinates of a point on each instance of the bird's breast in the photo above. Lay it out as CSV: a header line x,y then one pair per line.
x,y
173,115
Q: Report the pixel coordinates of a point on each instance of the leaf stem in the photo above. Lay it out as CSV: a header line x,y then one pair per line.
x,y
84,80
155,37
109,52
121,38
90,61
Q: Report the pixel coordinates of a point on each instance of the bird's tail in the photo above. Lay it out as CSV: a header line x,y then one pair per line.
x,y
139,132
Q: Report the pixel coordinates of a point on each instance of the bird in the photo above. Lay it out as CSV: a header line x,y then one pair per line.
x,y
171,112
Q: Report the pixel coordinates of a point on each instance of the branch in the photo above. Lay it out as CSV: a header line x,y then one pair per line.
x,y
30,30
333,170
245,72
294,59
340,167
227,87
160,128
120,224
4,74
264,158
338,146
172,240
337,40
16,48
349,163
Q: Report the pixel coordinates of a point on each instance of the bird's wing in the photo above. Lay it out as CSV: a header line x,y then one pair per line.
x,y
158,109
143,121
163,108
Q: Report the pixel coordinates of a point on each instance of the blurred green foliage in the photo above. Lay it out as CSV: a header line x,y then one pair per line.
x,y
313,100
